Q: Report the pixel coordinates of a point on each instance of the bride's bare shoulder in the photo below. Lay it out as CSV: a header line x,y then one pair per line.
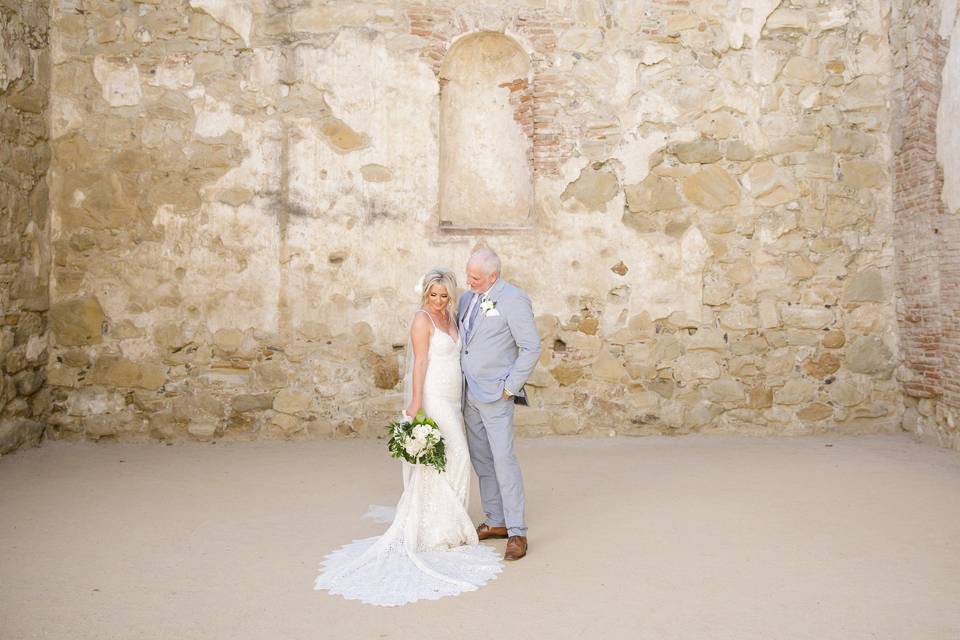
x,y
421,323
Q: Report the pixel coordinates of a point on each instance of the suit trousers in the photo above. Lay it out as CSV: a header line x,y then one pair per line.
x,y
490,437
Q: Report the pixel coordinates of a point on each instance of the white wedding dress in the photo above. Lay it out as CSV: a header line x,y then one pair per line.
x,y
431,549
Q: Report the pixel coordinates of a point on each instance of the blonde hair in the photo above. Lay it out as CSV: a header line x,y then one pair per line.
x,y
446,279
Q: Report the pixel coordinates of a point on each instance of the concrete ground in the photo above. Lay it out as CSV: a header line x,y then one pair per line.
x,y
700,537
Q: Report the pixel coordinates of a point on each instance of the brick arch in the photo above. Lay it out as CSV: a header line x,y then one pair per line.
x,y
486,134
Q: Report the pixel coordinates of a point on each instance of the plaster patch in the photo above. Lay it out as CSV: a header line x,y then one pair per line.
x,y
948,133
948,16
745,18
215,118
236,15
119,82
173,73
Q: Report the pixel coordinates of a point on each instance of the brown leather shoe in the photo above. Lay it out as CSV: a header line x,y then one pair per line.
x,y
484,532
516,548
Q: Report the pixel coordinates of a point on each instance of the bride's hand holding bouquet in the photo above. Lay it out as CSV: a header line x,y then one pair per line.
x,y
417,440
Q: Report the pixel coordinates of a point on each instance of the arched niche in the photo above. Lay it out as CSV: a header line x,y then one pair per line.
x,y
486,126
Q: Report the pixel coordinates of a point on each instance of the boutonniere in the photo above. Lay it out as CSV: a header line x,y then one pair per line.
x,y
489,307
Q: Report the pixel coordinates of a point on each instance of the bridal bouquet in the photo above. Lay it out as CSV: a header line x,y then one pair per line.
x,y
418,441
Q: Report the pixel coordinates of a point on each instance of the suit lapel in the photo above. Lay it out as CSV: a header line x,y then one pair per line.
x,y
491,295
462,311
463,318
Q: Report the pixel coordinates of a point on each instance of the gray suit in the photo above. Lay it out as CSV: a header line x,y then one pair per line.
x,y
499,352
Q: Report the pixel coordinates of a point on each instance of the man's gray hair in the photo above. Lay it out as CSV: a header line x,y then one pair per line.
x,y
487,259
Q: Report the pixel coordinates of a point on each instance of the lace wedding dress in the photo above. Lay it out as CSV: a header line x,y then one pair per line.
x,y
431,549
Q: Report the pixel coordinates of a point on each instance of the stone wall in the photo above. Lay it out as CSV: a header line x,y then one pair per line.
x,y
24,228
245,192
926,40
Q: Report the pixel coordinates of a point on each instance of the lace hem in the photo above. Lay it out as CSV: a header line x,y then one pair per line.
x,y
394,576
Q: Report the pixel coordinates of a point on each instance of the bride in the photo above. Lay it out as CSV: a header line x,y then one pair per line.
x,y
431,549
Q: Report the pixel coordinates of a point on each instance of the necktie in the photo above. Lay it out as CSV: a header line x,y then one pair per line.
x,y
472,312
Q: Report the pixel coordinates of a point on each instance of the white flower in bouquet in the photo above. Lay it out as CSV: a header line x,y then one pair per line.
x,y
414,446
421,431
417,440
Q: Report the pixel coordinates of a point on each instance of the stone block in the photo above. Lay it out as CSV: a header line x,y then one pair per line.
x,y
17,432
833,339
252,402
861,174
708,338
739,317
376,173
236,15
341,136
608,368
287,424
760,397
78,321
769,315
725,391
803,69
202,429
594,188
117,371
738,151
386,371
788,19
849,392
800,317
698,151
770,185
795,391
870,355
865,286
852,141
654,193
119,81
291,401
815,412
228,340
864,92
711,187
822,366
698,365
566,374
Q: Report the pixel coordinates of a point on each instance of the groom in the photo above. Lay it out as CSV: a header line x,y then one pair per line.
x,y
500,349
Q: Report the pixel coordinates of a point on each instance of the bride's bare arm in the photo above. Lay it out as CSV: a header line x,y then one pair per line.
x,y
420,338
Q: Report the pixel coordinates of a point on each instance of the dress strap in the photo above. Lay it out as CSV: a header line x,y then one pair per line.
x,y
429,316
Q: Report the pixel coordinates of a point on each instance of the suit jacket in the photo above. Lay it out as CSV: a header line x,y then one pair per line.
x,y
503,348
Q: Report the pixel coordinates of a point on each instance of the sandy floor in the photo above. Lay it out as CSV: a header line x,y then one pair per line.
x,y
697,537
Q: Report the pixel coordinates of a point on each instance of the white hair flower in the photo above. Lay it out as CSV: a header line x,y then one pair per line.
x,y
418,288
